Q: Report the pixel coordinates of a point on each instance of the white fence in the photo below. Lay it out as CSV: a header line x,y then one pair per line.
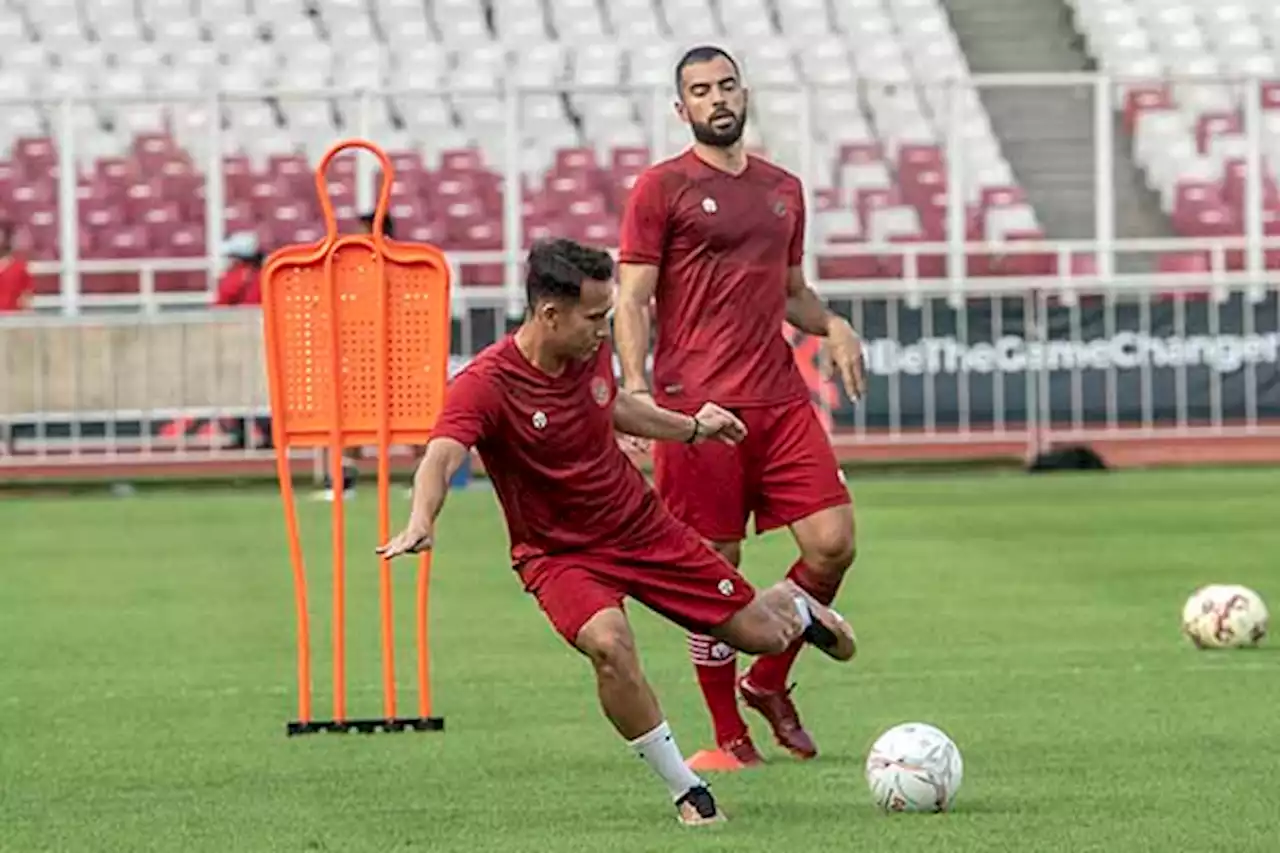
x,y
1002,369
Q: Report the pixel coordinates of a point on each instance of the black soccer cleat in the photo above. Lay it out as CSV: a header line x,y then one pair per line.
x,y
698,808
831,634
820,635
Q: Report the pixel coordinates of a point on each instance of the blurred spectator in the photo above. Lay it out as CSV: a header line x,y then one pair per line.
x,y
241,284
16,285
388,226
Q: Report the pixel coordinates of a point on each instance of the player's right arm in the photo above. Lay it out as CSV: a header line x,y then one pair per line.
x,y
642,242
469,415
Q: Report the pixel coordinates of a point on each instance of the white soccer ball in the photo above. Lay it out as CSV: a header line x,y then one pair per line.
x,y
1224,616
914,767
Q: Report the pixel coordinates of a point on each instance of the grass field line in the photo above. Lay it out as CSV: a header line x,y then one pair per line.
x,y
1220,663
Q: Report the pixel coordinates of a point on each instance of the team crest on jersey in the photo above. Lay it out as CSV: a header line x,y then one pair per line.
x,y
709,205
779,208
726,587
539,420
600,390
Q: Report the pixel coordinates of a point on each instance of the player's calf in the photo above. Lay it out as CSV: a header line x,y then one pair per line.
x,y
625,695
631,706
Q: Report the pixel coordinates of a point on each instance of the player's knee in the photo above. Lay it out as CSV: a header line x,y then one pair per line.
x,y
832,550
611,647
827,541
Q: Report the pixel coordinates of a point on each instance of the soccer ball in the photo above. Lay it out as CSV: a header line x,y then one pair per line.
x,y
914,767
1224,616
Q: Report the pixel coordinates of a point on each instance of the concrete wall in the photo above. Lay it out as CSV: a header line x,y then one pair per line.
x,y
211,359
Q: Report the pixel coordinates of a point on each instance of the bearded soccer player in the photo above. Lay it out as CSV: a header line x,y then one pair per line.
x,y
714,238
586,530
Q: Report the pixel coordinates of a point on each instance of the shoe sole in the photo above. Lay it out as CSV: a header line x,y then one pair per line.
x,y
846,648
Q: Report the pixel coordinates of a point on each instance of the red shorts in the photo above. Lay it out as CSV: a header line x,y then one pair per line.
x,y
782,472
674,573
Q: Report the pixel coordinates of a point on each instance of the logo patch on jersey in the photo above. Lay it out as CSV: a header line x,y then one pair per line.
x,y
539,420
709,205
600,391
779,208
726,587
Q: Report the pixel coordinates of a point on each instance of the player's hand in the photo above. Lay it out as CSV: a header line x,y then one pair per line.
x,y
417,537
844,351
715,423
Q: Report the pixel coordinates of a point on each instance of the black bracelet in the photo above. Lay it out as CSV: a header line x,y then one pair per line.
x,y
696,427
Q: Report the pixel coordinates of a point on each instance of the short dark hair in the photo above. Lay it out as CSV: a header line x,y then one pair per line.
x,y
388,225
557,268
703,53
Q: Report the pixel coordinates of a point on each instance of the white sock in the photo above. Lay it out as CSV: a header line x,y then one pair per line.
x,y
658,748
802,608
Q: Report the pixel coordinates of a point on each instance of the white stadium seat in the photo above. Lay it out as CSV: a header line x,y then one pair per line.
x,y
884,71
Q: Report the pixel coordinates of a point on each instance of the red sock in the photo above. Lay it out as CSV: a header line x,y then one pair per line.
x,y
770,672
717,668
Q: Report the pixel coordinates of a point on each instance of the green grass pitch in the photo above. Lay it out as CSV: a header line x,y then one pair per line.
x,y
147,664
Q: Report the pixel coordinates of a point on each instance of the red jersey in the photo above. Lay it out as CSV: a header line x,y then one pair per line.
x,y
16,284
548,444
723,244
239,285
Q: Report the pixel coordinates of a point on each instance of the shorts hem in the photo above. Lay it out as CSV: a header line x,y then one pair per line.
x,y
800,515
719,536
582,623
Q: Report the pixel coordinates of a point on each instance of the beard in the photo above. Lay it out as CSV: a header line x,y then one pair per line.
x,y
707,134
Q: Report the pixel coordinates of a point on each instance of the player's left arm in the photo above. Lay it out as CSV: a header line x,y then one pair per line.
x,y
808,313
638,415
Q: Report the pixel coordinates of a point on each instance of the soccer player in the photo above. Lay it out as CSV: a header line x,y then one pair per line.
x,y
715,238
586,531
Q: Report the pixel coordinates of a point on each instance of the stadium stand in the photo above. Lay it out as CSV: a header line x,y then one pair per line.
x,y
880,115
1188,135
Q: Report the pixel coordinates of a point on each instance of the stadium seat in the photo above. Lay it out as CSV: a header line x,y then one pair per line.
x,y
878,130
1189,137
